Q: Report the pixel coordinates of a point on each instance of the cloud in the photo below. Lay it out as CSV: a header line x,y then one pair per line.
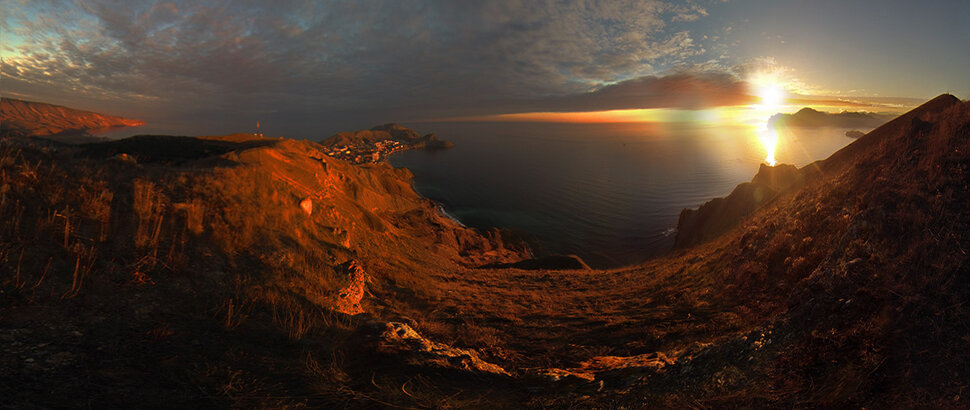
x,y
690,12
683,90
306,62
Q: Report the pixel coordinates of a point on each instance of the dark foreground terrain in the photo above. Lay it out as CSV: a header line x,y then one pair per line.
x,y
263,273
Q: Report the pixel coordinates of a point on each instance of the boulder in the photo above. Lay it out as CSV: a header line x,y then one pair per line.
x,y
398,337
307,205
348,298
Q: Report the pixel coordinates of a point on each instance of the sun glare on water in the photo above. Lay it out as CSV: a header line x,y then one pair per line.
x,y
769,140
772,97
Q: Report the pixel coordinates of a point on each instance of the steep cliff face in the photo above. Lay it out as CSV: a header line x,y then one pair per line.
x,y
29,118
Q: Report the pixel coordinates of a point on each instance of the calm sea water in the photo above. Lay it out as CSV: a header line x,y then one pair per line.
x,y
610,193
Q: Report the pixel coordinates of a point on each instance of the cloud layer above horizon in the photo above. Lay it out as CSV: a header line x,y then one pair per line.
x,y
303,66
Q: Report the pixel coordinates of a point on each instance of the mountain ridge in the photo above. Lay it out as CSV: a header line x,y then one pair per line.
x,y
29,118
811,118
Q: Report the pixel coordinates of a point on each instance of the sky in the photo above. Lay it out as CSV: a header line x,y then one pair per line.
x,y
307,69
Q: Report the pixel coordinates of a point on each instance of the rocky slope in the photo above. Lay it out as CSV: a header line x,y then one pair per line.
x,y
721,214
28,118
263,273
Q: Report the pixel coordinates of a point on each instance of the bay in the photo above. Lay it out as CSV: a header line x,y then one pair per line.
x,y
610,193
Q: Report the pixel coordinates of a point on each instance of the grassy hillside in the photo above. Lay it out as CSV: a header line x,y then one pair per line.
x,y
127,243
262,273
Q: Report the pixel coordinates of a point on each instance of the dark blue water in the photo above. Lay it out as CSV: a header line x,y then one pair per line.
x,y
610,193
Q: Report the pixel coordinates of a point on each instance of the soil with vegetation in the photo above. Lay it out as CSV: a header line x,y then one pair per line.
x,y
174,272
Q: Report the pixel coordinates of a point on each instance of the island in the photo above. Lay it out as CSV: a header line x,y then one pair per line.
x,y
811,118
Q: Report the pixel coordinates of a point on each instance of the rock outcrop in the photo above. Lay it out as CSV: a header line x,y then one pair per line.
x,y
612,366
400,338
307,206
348,298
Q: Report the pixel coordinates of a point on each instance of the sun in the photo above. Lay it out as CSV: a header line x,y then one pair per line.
x,y
768,89
771,94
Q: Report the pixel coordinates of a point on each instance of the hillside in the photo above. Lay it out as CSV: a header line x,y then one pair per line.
x,y
28,118
264,273
721,214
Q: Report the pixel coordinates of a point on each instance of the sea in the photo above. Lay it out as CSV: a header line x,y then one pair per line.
x,y
609,193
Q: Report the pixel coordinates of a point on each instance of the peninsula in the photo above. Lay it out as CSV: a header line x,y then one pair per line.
x,y
375,144
28,118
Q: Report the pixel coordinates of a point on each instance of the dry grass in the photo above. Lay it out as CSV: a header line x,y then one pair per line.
x,y
211,271
149,205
